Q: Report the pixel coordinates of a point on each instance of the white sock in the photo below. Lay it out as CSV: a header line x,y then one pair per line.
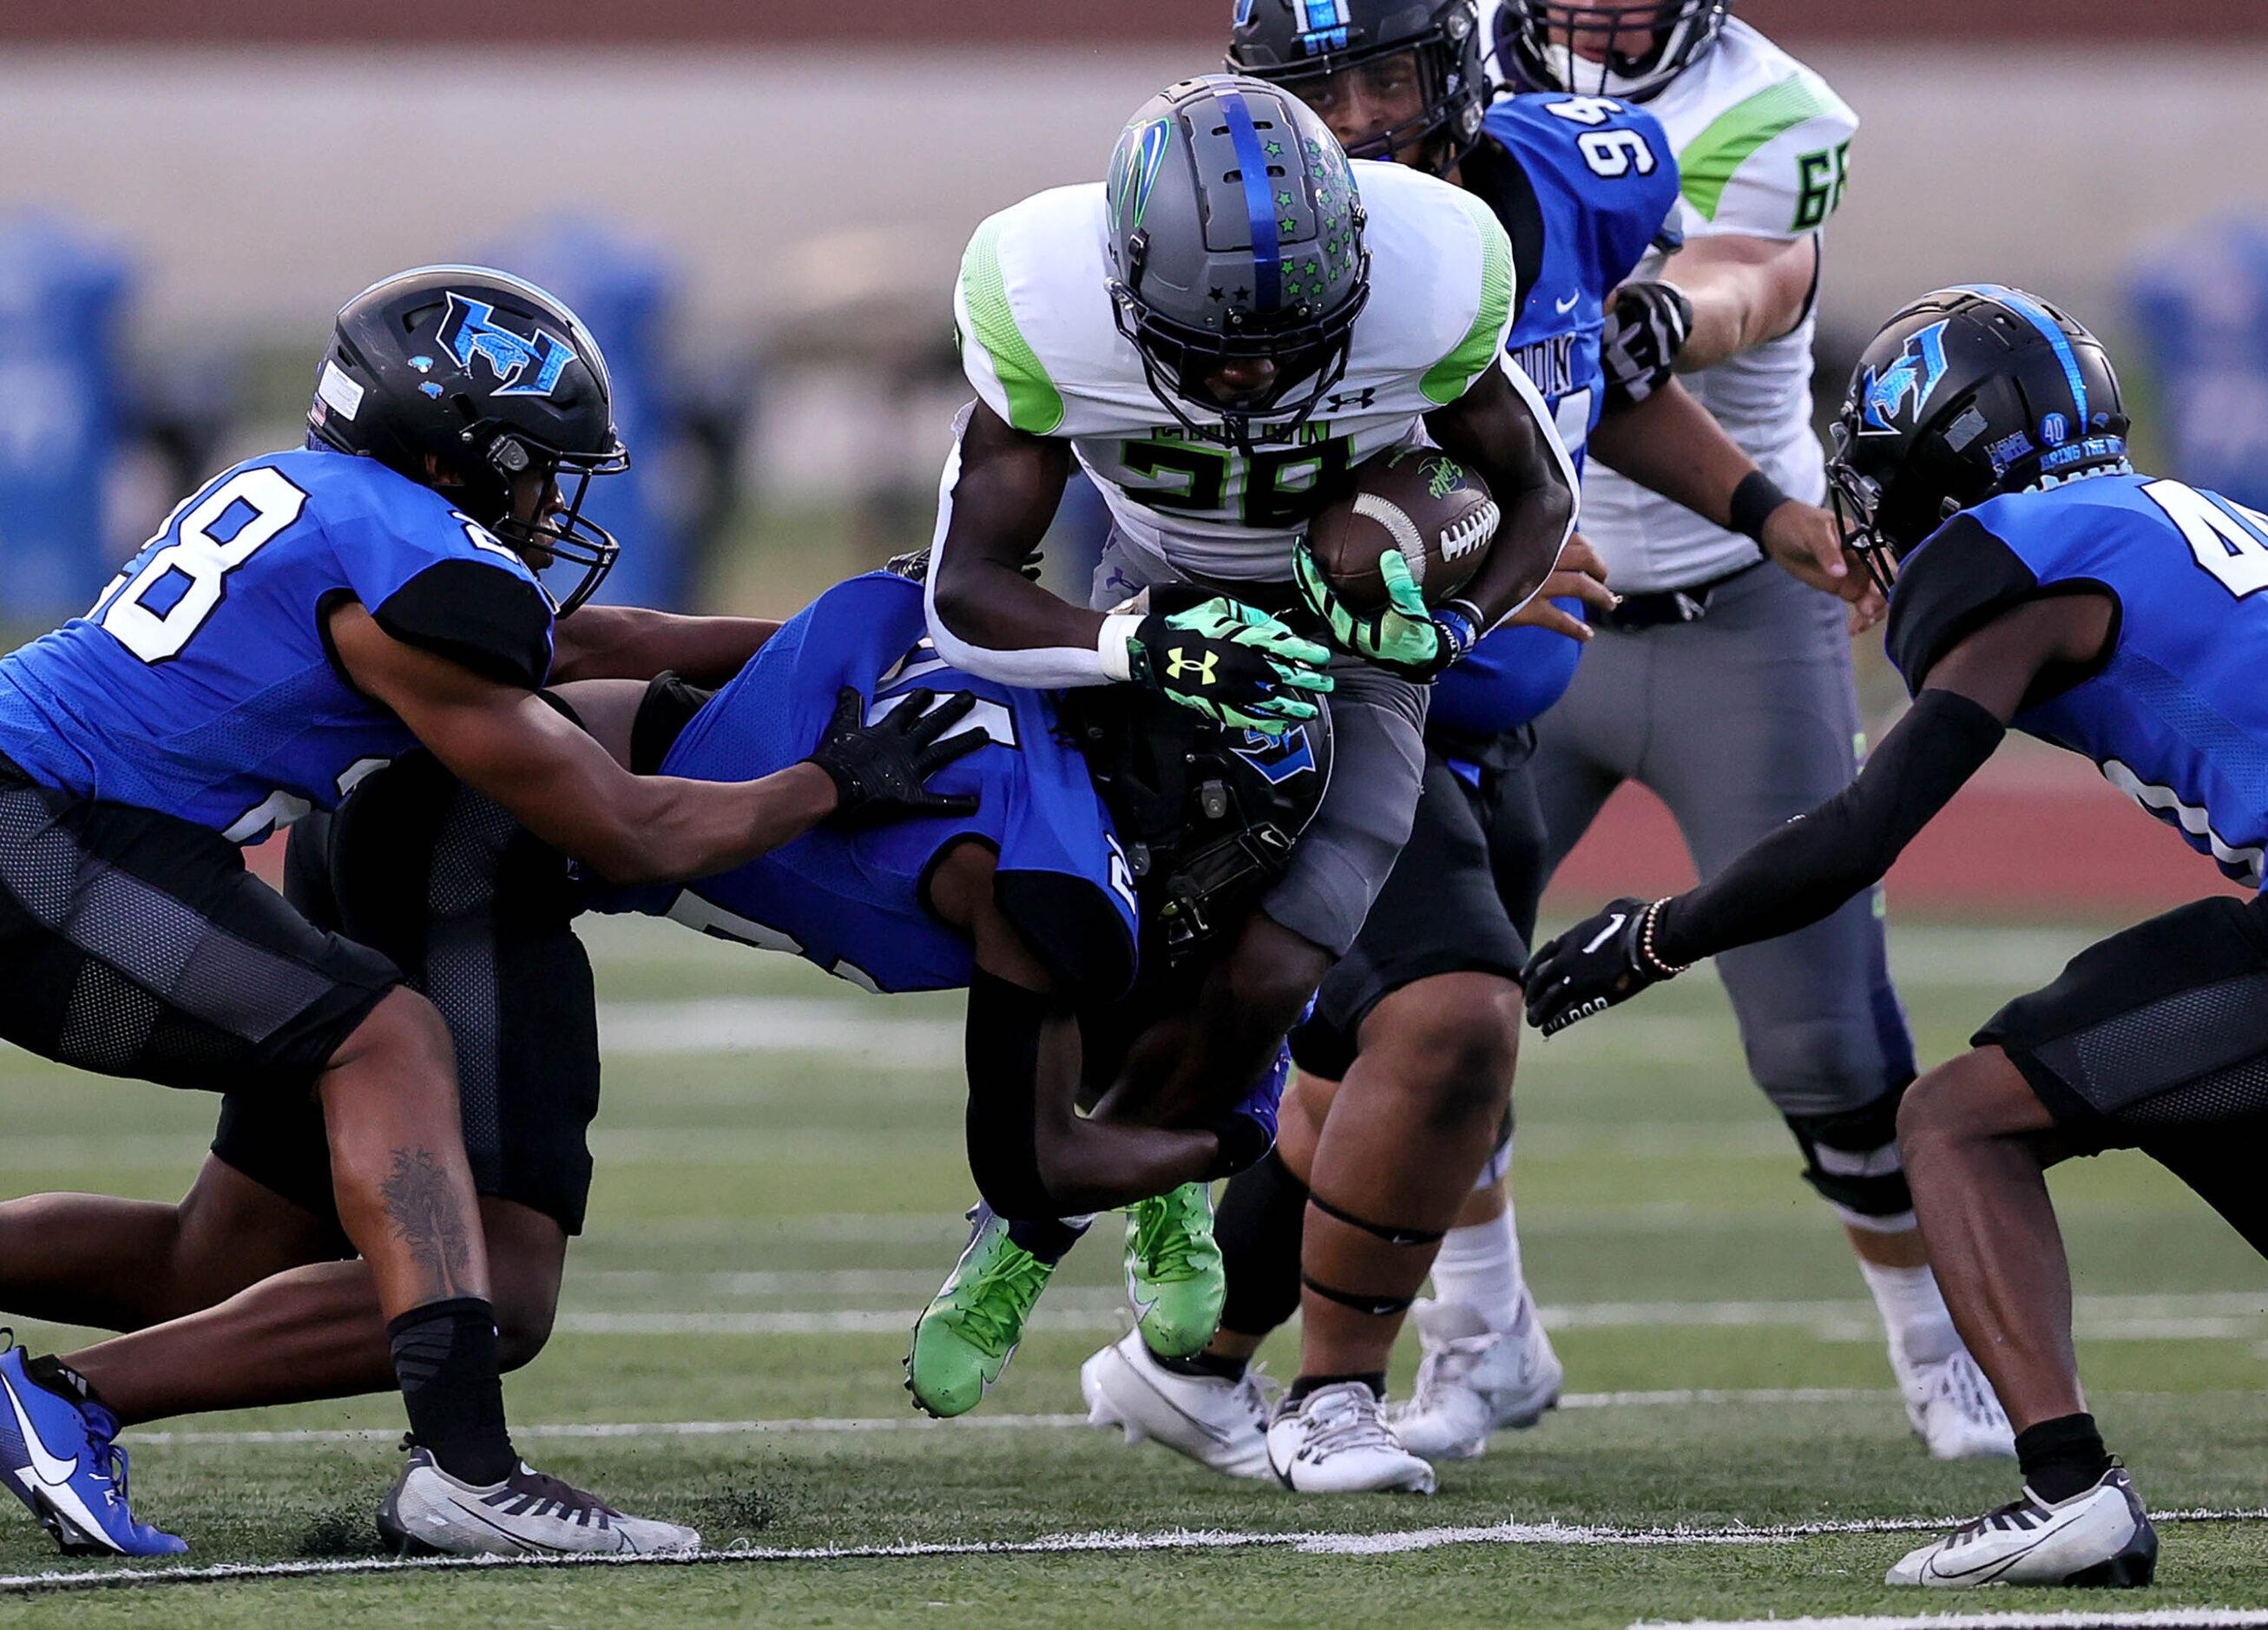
x,y
1920,1327
1479,1268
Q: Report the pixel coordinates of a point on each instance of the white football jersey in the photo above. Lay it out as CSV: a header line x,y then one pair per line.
x,y
1040,341
1763,149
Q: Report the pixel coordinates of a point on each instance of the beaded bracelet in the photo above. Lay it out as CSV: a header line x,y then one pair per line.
x,y
1657,965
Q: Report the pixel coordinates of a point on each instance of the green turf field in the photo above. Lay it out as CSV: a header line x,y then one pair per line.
x,y
779,1180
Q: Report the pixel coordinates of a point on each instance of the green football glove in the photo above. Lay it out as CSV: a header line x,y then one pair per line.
x,y
1232,662
1408,638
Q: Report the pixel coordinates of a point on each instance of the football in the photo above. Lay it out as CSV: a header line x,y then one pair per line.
x,y
1418,500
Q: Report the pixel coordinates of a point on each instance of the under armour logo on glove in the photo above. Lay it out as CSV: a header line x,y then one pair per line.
x,y
1232,662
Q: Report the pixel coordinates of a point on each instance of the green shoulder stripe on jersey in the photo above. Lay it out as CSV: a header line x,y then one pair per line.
x,y
1449,378
1034,405
1708,163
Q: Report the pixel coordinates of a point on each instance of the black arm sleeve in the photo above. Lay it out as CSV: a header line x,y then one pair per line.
x,y
1815,863
490,620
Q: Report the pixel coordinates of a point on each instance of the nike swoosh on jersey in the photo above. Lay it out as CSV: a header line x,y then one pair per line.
x,y
1564,306
45,1465
1614,927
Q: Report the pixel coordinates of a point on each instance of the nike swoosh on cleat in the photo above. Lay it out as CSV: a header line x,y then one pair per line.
x,y
45,1465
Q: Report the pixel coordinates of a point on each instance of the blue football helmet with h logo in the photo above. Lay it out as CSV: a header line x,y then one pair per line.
x,y
466,380
1967,394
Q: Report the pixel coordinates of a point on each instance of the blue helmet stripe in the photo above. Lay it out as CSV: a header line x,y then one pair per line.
x,y
2030,310
1259,205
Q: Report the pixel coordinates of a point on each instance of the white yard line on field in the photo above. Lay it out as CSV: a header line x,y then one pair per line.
x,y
1668,1397
1107,1543
2210,1315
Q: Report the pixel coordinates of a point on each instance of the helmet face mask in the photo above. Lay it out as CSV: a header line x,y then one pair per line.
x,y
1235,236
1968,393
482,386
1629,51
1420,60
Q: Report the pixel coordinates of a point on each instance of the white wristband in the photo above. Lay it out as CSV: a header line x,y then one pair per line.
x,y
1110,645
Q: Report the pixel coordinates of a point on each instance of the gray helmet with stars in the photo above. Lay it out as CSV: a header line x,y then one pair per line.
x,y
1235,236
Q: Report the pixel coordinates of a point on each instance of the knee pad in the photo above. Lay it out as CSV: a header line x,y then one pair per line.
x,y
1850,1157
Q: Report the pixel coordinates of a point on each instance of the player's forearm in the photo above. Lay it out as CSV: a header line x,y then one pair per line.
x,y
658,828
1670,444
1536,522
1743,293
989,619
1815,863
629,642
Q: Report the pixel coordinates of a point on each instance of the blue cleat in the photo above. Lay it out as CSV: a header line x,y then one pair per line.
x,y
57,1458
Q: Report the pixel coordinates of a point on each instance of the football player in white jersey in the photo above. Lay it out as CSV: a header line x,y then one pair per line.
x,y
1218,333
1723,685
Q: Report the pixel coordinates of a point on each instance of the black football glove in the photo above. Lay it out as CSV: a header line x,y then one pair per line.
x,y
1232,662
1646,326
878,769
1601,961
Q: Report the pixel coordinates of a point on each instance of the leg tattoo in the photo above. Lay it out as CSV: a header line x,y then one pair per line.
x,y
426,1218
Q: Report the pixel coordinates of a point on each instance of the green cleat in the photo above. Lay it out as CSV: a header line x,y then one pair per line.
x,y
964,1339
1173,1275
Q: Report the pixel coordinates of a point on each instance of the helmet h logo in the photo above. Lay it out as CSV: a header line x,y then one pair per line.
x,y
1917,373
470,329
1177,664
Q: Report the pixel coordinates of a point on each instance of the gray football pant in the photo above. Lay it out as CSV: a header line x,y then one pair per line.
x,y
1378,763
1739,722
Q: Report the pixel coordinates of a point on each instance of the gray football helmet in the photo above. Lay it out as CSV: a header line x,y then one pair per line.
x,y
1236,237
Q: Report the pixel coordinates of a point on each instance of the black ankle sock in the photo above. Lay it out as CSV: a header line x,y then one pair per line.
x,y
1048,1238
1305,1384
1205,1364
1258,1229
445,1356
2062,1457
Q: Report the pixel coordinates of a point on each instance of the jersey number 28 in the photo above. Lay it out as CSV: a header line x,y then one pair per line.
x,y
213,536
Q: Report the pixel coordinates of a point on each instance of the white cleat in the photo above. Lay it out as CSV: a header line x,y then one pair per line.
x,y
1474,1380
2100,1536
1216,1422
430,1513
1337,1440
1953,1409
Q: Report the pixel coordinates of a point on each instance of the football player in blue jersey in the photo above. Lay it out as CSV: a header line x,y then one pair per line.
x,y
2039,583
1407,1062
1079,872
298,622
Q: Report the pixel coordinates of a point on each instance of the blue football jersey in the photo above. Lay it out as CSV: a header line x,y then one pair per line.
x,y
2176,716
202,685
853,901
1589,187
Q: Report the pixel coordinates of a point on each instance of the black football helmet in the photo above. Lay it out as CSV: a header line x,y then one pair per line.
x,y
1967,394
1207,816
1299,44
489,378
1646,46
